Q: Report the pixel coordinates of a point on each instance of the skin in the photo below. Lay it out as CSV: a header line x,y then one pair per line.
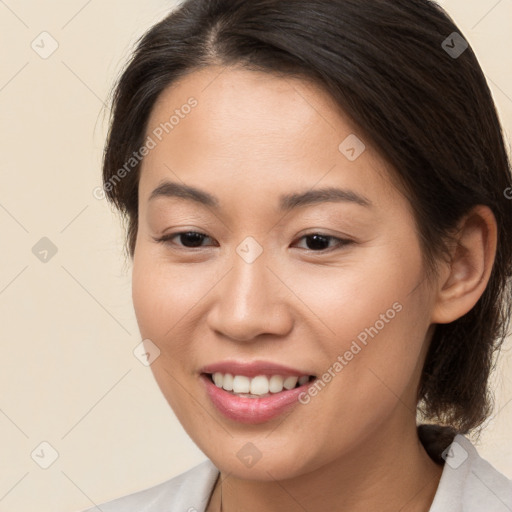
x,y
252,137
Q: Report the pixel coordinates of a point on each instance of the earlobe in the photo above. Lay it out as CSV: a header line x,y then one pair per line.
x,y
467,273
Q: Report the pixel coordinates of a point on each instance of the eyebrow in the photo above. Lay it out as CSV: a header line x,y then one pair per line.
x,y
287,202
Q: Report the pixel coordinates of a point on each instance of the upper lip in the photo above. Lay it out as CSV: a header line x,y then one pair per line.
x,y
253,369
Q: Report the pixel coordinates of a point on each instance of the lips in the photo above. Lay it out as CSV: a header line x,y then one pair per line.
x,y
254,368
244,409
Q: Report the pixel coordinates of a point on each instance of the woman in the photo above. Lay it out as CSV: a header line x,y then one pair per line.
x,y
316,196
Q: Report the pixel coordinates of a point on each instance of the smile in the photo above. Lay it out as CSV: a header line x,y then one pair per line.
x,y
259,386
248,407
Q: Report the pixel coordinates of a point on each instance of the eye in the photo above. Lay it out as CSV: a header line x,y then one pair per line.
x,y
317,242
189,239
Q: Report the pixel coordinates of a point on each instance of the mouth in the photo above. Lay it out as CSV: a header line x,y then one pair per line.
x,y
260,386
257,399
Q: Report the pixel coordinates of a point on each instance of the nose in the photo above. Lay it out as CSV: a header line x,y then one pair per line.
x,y
250,301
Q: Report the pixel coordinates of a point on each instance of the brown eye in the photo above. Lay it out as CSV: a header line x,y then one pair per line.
x,y
188,239
318,242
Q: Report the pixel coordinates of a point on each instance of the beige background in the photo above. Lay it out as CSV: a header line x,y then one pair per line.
x,y
68,376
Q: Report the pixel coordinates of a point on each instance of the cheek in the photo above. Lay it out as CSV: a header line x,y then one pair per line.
x,y
352,297
377,317
159,303
163,294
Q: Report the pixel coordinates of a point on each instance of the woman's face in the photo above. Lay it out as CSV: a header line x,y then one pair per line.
x,y
258,286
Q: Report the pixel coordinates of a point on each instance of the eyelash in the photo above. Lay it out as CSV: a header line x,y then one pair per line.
x,y
341,242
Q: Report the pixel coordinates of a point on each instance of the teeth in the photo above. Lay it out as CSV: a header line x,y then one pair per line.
x,y
227,382
276,384
241,384
290,382
257,386
217,379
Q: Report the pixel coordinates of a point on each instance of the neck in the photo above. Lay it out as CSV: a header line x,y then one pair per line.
x,y
383,473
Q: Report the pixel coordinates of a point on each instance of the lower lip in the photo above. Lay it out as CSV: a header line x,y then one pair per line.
x,y
252,410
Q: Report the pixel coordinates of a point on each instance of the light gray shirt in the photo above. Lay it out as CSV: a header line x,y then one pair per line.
x,y
468,484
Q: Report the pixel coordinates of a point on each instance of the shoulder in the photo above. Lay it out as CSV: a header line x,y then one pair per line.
x,y
187,492
470,483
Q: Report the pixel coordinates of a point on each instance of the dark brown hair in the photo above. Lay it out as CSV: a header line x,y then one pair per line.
x,y
388,65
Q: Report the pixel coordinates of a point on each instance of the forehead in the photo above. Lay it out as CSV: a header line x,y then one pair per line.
x,y
240,92
268,130
246,109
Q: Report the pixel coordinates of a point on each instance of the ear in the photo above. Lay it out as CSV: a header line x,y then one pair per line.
x,y
462,280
